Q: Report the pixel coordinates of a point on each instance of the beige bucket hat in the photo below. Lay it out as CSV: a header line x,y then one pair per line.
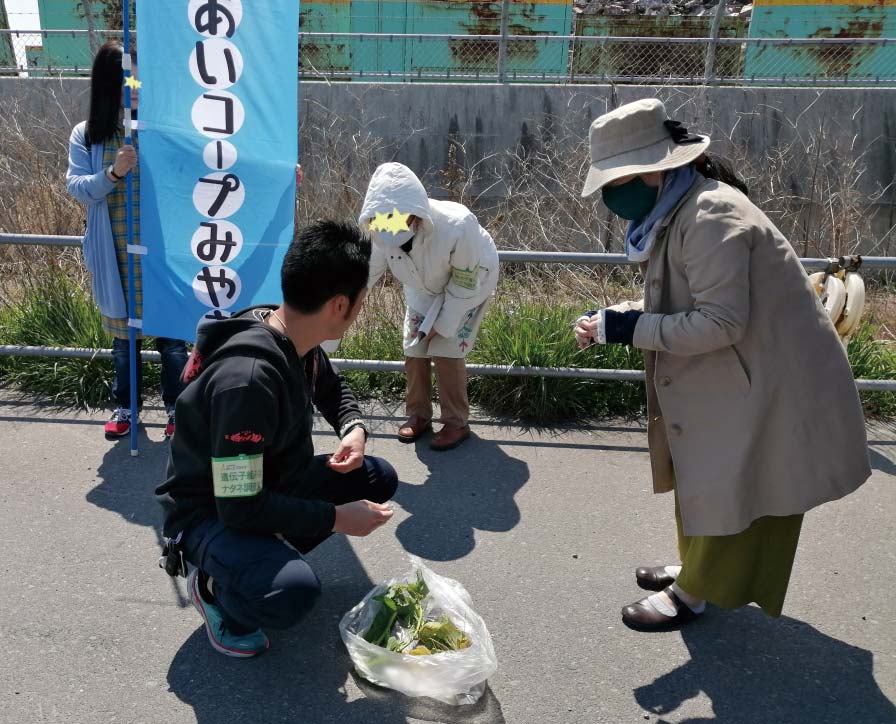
x,y
638,138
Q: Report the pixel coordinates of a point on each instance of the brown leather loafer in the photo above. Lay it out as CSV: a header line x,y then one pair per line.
x,y
413,429
449,437
654,579
641,616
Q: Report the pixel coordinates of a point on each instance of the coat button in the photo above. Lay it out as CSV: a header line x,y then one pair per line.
x,y
656,284
676,429
665,381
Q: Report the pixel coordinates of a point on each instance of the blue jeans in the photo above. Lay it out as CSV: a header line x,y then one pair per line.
x,y
262,581
174,358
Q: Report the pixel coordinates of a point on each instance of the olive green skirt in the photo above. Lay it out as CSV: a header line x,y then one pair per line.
x,y
731,571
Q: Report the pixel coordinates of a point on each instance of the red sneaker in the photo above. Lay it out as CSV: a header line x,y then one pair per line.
x,y
169,428
119,424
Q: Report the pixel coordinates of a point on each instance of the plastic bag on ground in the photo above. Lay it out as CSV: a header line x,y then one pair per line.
x,y
452,677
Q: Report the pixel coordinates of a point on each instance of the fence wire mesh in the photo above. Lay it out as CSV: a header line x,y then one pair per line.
x,y
520,58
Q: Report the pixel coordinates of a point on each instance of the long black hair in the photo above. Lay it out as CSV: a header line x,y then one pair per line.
x,y
718,170
105,92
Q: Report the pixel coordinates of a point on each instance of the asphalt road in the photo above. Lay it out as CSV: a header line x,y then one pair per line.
x,y
544,528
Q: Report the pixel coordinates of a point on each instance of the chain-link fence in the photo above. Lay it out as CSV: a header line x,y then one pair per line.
x,y
522,58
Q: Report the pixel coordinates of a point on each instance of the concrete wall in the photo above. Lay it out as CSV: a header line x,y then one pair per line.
x,y
474,129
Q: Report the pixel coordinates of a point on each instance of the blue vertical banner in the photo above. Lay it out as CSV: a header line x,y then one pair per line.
x,y
218,147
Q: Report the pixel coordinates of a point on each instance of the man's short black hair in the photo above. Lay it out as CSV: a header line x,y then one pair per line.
x,y
326,259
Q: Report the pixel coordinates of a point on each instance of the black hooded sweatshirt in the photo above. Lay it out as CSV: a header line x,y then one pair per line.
x,y
243,439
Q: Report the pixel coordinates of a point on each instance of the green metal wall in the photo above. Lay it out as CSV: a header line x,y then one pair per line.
x,y
679,60
7,54
408,56
361,58
820,19
61,51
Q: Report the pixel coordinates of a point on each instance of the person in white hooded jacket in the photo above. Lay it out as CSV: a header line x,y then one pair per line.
x,y
448,265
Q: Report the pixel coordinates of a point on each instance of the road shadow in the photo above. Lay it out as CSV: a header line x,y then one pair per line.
x,y
485,711
755,670
881,459
881,444
470,488
302,678
127,484
127,487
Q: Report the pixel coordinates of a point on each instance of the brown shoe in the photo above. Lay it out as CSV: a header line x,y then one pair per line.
x,y
654,579
413,429
641,616
449,437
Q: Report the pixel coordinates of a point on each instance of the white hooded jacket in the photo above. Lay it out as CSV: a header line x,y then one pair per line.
x,y
451,254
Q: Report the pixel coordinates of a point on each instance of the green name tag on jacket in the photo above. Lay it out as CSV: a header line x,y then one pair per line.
x,y
238,477
465,278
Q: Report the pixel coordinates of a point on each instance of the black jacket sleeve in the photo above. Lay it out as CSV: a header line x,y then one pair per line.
x,y
243,422
332,396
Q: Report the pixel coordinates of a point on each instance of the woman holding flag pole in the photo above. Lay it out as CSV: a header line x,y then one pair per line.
x,y
103,174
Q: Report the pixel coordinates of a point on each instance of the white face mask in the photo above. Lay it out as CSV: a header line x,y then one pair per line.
x,y
389,240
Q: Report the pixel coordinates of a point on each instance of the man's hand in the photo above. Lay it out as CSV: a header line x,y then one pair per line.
x,y
350,453
431,336
361,517
300,175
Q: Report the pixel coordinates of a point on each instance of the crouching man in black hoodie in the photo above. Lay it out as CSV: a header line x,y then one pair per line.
x,y
245,494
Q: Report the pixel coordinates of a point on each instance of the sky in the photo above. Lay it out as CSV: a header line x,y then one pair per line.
x,y
23,14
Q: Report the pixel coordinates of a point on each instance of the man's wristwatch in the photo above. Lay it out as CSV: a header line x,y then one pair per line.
x,y
113,174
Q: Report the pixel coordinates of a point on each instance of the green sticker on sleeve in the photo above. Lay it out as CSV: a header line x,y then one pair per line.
x,y
238,477
465,278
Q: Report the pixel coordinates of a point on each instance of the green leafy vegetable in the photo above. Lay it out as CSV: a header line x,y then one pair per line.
x,y
442,635
401,612
382,624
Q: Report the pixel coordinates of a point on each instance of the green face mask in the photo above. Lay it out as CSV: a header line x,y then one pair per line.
x,y
632,200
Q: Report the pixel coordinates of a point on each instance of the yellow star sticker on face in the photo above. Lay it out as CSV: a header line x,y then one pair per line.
x,y
398,222
380,223
132,82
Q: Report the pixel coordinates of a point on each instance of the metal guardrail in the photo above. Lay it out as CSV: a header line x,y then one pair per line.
x,y
525,257
367,365
530,257
541,58
39,240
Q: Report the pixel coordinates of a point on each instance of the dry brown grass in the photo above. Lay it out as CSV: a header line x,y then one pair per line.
x,y
528,198
34,200
537,206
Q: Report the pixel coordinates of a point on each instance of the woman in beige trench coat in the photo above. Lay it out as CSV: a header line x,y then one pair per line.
x,y
753,413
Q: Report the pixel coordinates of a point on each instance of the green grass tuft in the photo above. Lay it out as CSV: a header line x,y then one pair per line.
x,y
522,334
873,360
56,311
377,337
